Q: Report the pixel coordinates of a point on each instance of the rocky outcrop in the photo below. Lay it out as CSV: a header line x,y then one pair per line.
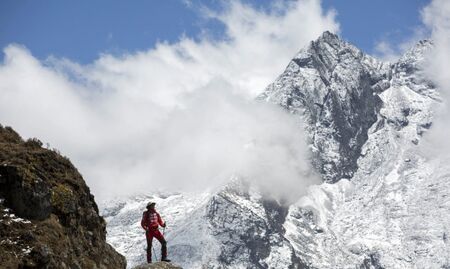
x,y
157,265
48,217
249,227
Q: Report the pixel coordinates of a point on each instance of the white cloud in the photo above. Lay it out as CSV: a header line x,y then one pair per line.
x,y
179,115
436,16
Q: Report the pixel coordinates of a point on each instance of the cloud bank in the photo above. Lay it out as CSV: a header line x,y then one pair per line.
x,y
436,17
177,116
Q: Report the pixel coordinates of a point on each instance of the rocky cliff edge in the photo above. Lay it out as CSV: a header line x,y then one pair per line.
x,y
48,217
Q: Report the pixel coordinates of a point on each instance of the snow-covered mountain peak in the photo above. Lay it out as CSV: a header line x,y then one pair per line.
x,y
332,84
328,51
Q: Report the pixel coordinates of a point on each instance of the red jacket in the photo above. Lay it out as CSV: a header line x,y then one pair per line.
x,y
151,220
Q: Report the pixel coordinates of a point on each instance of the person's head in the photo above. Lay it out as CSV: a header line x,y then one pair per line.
x,y
151,205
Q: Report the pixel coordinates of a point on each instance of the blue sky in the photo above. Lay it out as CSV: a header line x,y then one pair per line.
x,y
81,30
366,22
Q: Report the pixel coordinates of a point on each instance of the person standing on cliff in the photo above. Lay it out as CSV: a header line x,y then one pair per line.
x,y
151,220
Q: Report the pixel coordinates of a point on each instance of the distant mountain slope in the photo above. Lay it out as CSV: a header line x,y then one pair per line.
x,y
383,203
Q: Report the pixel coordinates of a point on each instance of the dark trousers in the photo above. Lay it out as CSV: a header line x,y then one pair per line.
x,y
156,234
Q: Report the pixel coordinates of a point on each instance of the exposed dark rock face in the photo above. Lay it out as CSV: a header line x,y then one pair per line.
x,y
372,262
48,217
248,233
249,239
30,200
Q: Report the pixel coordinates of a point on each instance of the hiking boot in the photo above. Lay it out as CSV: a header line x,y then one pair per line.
x,y
165,260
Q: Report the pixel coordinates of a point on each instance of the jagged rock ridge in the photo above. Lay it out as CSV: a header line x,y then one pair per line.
x,y
334,85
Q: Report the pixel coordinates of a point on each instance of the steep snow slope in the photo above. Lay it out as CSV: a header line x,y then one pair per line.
x,y
384,203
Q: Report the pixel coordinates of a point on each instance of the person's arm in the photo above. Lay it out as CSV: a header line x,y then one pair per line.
x,y
160,221
143,221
